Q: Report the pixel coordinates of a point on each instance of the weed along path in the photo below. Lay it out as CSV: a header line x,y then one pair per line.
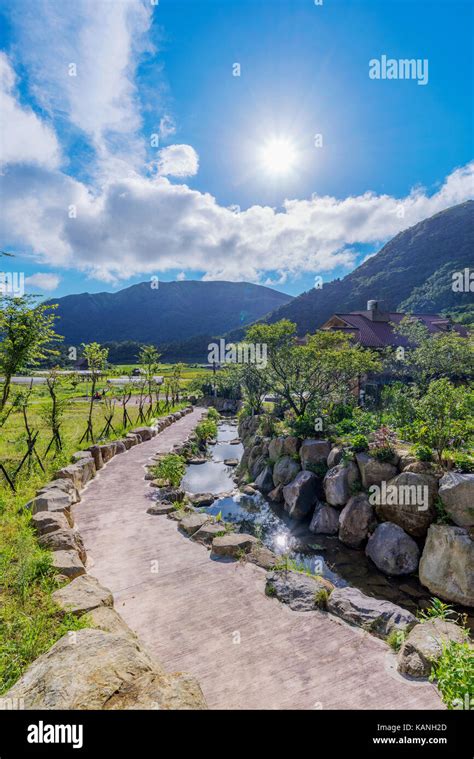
x,y
212,618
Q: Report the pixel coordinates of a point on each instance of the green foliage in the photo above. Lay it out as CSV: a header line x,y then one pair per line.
x,y
302,426
170,469
321,597
454,675
359,443
422,452
206,430
398,401
438,610
359,422
442,516
396,639
444,417
462,462
319,469
212,413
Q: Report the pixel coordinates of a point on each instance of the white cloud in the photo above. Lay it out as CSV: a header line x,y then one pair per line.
x,y
24,138
177,161
167,127
139,225
43,281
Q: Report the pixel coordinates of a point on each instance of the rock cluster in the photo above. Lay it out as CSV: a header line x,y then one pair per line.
x,y
388,508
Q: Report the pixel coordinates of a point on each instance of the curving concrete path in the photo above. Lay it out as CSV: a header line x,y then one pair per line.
x,y
213,620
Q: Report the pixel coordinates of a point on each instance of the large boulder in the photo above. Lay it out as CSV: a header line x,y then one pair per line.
x,y
376,616
257,458
94,669
54,501
338,483
79,473
335,456
283,446
392,550
325,520
356,521
424,646
107,451
97,456
285,470
82,595
264,481
457,494
144,433
300,591
208,532
314,452
447,564
372,471
301,495
233,545
408,500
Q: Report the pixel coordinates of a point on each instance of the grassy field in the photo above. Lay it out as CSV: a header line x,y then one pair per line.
x,y
29,620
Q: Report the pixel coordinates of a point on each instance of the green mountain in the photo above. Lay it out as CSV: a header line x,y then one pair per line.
x,y
173,312
413,273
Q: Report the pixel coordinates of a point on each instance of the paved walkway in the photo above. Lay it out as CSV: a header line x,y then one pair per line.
x,y
213,620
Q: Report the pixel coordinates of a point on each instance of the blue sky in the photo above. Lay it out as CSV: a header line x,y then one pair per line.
x,y
92,203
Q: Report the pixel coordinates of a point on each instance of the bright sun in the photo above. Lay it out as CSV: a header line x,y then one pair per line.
x,y
279,156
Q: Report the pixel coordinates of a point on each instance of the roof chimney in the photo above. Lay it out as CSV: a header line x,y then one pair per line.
x,y
372,305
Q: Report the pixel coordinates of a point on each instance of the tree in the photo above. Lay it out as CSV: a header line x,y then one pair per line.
x,y
433,356
26,331
324,369
96,359
149,360
53,413
444,417
255,383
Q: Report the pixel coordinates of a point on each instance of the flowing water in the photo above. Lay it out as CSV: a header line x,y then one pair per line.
x,y
321,553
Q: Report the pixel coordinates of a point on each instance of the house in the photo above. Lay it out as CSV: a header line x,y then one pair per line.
x,y
374,328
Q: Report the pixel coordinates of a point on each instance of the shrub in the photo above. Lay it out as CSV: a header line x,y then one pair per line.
x,y
212,413
422,452
359,443
171,469
396,639
302,426
383,443
206,430
463,462
454,674
439,610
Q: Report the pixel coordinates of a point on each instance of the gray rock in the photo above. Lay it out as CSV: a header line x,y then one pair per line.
x,y
378,617
283,446
408,500
107,451
97,456
134,439
68,563
301,495
191,524
457,494
356,520
100,670
335,457
144,433
45,522
64,540
80,456
264,481
447,564
392,550
66,485
276,495
372,471
233,544
120,447
201,499
82,595
107,619
313,452
79,473
208,532
325,520
424,646
160,508
338,483
285,470
261,556
298,590
231,462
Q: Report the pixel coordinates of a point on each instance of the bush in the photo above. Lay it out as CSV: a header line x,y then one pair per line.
x,y
359,443
454,674
422,452
212,413
206,430
463,462
170,469
302,426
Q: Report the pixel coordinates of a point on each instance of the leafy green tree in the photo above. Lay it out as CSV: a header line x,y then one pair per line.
x,y
444,417
149,360
53,413
96,357
26,334
325,368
